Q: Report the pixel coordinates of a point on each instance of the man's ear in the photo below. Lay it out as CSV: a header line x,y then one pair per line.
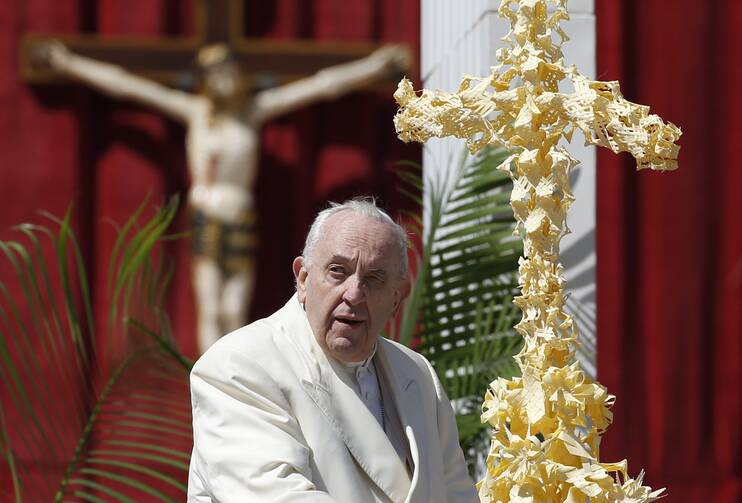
x,y
401,293
300,274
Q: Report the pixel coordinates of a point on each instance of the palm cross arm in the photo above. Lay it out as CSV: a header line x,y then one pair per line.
x,y
607,119
462,114
513,118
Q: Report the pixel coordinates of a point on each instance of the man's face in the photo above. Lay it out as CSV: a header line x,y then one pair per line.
x,y
352,284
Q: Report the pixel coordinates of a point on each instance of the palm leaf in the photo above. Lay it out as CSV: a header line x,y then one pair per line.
x,y
460,311
91,415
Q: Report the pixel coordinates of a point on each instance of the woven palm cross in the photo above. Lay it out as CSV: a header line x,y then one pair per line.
x,y
546,424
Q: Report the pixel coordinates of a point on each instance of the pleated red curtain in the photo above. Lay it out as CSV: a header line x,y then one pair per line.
x,y
670,250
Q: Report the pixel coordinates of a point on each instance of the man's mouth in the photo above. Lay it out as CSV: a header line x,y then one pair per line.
x,y
349,321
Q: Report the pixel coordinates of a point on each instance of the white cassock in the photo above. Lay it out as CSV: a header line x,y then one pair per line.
x,y
275,421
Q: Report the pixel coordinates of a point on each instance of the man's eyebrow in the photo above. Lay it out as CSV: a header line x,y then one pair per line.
x,y
338,258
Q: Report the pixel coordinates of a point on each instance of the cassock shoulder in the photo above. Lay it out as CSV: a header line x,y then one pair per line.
x,y
248,351
408,359
249,340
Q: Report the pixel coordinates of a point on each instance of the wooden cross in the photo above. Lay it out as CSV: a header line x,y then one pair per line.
x,y
547,423
167,59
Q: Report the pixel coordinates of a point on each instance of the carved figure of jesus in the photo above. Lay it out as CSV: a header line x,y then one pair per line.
x,y
223,122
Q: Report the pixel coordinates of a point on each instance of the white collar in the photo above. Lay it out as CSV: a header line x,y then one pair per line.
x,y
354,366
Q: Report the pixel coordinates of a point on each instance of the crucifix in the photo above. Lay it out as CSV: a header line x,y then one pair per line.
x,y
546,424
168,59
223,120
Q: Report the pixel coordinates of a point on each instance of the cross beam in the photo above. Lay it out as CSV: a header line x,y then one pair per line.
x,y
167,59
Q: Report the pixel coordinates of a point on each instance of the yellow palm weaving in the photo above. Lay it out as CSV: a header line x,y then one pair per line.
x,y
547,423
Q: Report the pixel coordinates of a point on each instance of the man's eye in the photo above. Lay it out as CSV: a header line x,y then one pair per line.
x,y
336,270
375,281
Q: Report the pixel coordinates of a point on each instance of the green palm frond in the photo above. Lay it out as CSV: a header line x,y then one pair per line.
x,y
460,313
91,411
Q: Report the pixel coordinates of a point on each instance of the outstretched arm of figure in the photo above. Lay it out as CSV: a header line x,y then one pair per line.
x,y
117,83
331,82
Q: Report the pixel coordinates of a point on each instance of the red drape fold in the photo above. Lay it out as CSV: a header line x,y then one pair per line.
x,y
670,250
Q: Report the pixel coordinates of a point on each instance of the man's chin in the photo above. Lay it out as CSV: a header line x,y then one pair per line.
x,y
347,347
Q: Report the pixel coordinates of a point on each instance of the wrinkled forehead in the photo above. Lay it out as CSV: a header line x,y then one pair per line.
x,y
351,234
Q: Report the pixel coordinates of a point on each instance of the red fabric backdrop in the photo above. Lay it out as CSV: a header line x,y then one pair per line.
x,y
66,144
670,250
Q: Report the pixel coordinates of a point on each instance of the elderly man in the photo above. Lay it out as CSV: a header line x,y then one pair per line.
x,y
310,404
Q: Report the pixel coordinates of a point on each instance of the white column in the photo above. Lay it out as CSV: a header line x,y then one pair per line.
x,y
460,37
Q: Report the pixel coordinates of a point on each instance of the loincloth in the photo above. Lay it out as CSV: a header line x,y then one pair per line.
x,y
232,245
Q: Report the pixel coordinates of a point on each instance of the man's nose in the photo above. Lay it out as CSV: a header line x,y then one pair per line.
x,y
354,293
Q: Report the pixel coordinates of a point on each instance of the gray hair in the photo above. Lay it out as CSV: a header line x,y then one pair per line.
x,y
366,206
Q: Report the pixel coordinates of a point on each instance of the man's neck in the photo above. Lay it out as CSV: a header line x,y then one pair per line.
x,y
363,363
